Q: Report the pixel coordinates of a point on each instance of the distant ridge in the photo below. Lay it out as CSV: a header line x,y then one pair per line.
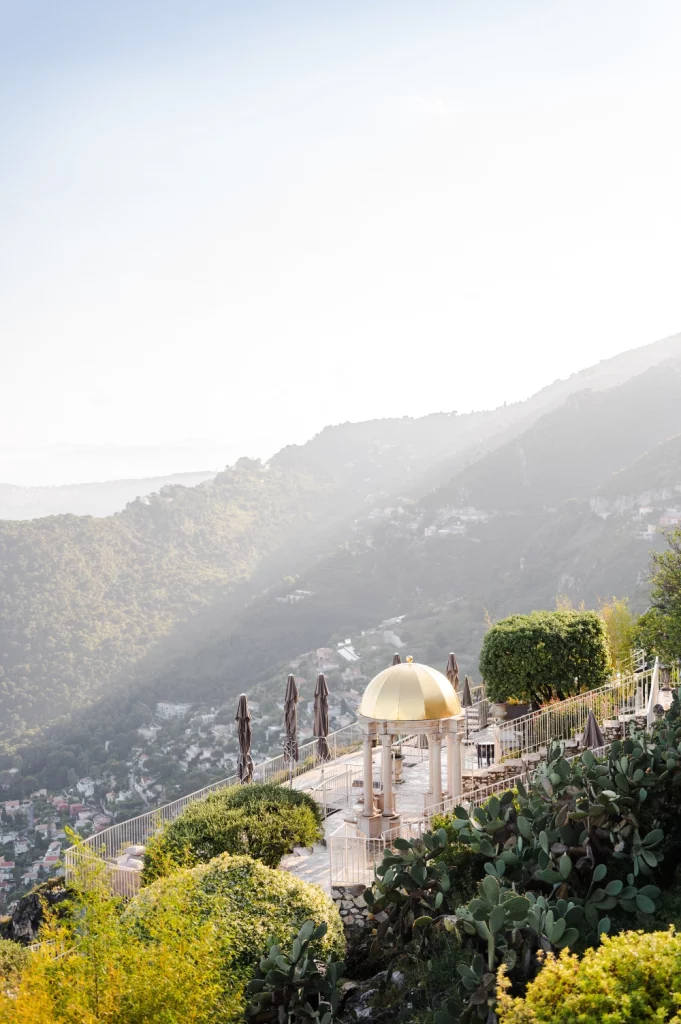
x,y
92,499
570,451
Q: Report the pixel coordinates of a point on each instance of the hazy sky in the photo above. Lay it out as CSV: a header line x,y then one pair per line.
x,y
242,221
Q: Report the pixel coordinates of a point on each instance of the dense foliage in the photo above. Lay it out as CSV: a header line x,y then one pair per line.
x,y
581,851
83,600
290,988
12,959
263,820
93,967
545,655
417,883
184,950
619,627
659,629
248,903
631,978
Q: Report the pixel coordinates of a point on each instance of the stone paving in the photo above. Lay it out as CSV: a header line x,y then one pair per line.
x,y
313,865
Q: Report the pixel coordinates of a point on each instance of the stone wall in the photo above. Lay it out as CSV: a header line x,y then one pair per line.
x,y
353,909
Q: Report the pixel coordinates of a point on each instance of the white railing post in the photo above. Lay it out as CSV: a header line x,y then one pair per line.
x,y
654,695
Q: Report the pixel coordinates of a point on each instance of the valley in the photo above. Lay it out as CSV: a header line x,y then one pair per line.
x,y
126,640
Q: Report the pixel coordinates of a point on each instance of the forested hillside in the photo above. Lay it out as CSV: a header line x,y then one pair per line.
x,y
659,470
185,594
83,599
570,452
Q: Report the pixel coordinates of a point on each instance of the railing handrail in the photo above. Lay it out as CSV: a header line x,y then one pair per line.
x,y
576,698
165,811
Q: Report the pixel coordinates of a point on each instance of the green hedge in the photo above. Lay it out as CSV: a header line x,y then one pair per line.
x,y
262,820
247,903
545,655
632,978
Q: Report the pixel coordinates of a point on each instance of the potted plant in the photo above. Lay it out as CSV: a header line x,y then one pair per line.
x,y
516,708
509,709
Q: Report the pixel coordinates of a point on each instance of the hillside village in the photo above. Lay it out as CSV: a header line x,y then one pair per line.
x,y
183,747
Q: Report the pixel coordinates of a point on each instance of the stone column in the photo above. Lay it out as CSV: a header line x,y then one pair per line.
x,y
368,811
454,781
436,767
498,751
387,773
430,768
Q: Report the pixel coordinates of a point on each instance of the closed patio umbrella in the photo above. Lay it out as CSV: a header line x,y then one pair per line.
x,y
452,671
244,767
593,737
396,659
466,698
291,724
321,717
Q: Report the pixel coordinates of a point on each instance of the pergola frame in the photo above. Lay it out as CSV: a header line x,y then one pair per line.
x,y
373,822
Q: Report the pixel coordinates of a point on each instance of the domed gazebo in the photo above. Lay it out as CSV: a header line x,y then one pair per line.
x,y
403,699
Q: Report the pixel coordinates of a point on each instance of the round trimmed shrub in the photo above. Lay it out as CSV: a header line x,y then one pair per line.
x,y
545,655
261,820
247,903
632,978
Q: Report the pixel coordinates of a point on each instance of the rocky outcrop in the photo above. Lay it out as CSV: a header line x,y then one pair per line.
x,y
353,910
27,914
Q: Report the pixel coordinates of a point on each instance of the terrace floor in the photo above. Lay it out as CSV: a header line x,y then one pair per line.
x,y
409,799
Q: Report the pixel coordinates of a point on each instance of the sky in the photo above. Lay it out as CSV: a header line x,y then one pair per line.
x,y
226,225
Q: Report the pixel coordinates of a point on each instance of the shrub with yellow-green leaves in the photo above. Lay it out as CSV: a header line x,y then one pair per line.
x,y
182,952
12,959
632,978
248,904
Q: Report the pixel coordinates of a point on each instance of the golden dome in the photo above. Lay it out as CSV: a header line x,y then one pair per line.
x,y
409,693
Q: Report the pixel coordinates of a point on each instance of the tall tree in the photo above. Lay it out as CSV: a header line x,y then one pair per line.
x,y
659,629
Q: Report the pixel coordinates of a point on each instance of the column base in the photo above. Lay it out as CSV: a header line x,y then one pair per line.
x,y
388,823
372,826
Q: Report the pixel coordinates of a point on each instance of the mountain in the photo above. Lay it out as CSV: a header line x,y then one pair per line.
x,y
196,593
568,452
91,499
655,475
83,599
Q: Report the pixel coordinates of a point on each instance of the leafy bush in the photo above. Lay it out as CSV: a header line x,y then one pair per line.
x,y
660,628
545,655
12,959
93,968
295,986
261,820
631,978
417,882
619,627
183,950
248,904
658,633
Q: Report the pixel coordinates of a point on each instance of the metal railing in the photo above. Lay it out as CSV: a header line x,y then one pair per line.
x,y
563,720
110,843
335,788
353,856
